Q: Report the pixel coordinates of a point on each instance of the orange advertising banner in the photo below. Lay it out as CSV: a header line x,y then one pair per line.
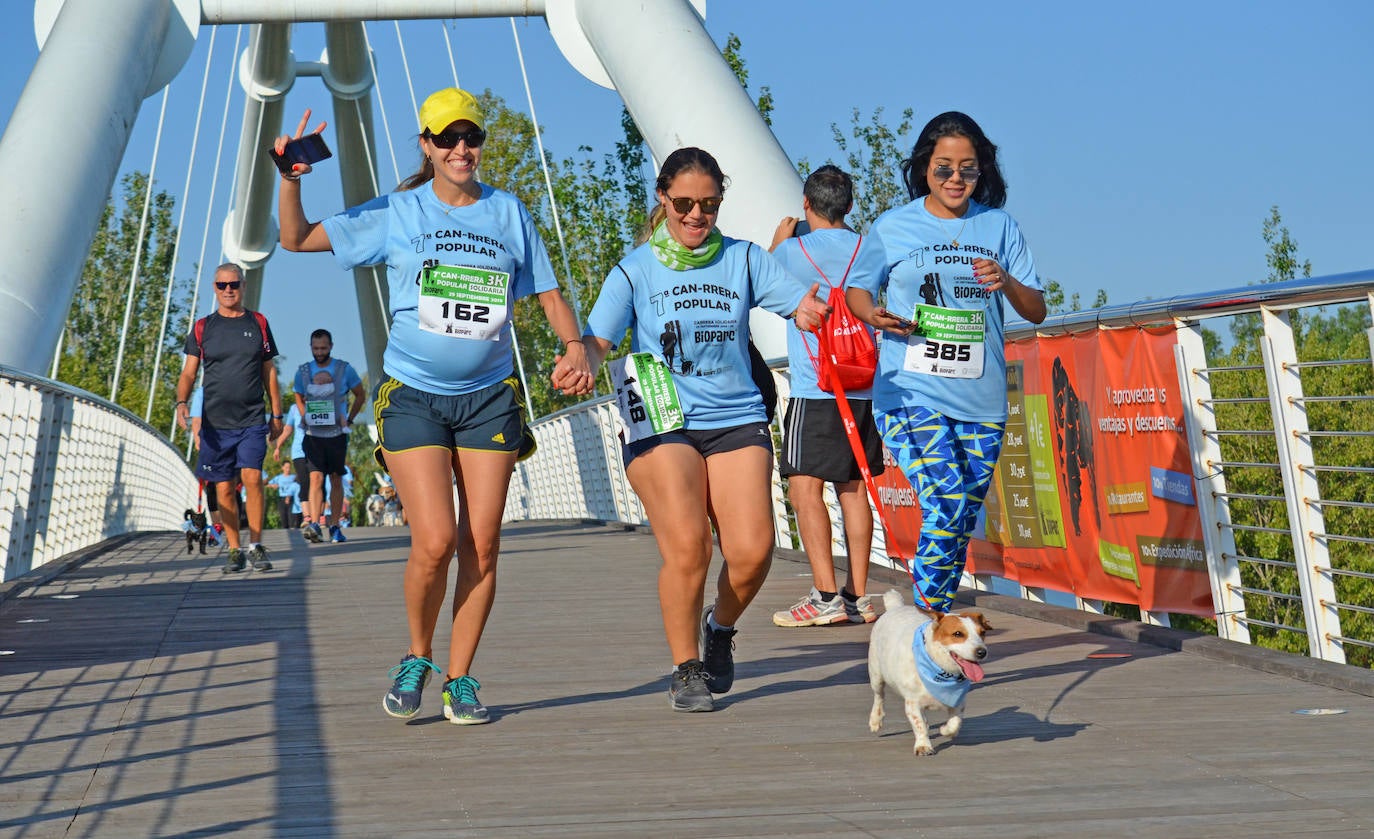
x,y
1093,493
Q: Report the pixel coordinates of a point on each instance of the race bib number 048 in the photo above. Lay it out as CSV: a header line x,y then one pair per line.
x,y
464,302
319,412
645,396
949,343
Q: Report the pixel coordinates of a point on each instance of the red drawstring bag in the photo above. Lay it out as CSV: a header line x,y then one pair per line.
x,y
853,357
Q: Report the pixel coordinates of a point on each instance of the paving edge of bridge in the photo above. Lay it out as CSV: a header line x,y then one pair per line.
x,y
46,572
1344,677
1303,668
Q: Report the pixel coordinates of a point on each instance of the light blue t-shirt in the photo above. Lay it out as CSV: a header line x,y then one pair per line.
x,y
293,419
832,249
288,487
924,267
413,231
344,379
697,322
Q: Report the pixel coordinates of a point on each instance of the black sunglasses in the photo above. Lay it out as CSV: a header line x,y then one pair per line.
x,y
234,284
968,173
683,206
449,138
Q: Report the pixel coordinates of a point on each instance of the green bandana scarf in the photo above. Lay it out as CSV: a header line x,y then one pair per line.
x,y
673,254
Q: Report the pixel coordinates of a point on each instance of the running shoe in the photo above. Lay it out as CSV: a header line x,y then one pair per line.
x,y
687,688
258,556
717,654
408,684
460,702
312,532
811,610
235,562
336,534
860,609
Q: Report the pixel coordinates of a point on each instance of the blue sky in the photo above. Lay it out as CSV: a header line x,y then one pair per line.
x,y
1143,143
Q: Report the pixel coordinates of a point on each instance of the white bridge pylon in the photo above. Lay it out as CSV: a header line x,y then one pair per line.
x,y
117,54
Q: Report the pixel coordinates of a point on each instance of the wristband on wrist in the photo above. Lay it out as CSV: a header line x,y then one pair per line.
x,y
181,402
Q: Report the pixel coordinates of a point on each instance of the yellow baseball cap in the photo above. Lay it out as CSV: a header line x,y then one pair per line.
x,y
447,106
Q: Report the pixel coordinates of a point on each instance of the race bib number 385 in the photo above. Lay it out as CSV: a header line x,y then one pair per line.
x,y
464,302
646,396
949,343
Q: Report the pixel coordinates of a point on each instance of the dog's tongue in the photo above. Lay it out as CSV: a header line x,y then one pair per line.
x,y
973,671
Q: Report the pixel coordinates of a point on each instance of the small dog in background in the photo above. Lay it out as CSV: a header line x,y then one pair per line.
x,y
197,530
931,659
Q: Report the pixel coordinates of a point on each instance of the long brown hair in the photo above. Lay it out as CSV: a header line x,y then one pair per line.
x,y
420,178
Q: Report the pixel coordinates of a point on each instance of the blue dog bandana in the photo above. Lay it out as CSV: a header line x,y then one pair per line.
x,y
948,689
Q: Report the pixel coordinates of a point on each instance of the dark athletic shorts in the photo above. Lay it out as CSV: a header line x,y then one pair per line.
x,y
302,467
707,441
814,443
326,454
491,419
223,452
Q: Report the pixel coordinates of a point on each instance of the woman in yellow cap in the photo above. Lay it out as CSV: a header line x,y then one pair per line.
x,y
459,253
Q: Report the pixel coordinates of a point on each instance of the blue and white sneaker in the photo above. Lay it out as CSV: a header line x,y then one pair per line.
x,y
460,702
336,534
408,685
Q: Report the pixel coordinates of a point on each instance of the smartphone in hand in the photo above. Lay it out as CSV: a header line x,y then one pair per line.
x,y
309,149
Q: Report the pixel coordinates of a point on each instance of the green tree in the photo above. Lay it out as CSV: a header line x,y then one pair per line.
x,y
96,317
733,57
1259,503
1055,304
873,155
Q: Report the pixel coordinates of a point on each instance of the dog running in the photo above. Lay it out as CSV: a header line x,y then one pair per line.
x,y
931,659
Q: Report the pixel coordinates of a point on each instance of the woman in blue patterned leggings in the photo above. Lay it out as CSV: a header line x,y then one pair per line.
x,y
953,257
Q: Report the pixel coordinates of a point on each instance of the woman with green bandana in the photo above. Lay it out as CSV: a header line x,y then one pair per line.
x,y
695,438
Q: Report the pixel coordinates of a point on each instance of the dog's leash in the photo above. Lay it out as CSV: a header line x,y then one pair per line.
x,y
851,432
200,495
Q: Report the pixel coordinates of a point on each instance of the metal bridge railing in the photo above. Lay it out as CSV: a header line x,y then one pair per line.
x,y
1280,423
76,469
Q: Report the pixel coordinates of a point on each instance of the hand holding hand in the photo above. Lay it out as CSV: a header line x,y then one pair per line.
x,y
572,373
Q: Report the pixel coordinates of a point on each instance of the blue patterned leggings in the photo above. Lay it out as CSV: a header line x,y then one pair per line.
x,y
950,463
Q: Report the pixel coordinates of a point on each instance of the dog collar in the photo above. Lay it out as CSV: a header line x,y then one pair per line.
x,y
945,687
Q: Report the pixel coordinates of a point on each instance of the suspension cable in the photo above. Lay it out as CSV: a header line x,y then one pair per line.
x,y
548,183
181,220
138,247
381,106
449,46
548,180
209,208
405,65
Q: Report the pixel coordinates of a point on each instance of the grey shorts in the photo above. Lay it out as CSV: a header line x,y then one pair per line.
x,y
491,419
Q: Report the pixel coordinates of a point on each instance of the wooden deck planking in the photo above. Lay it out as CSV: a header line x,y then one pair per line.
x,y
169,699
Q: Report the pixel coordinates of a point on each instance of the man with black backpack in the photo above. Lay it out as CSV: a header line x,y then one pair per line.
x,y
814,450
236,348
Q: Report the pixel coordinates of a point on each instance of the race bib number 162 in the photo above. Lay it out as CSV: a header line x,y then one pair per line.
x,y
463,302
